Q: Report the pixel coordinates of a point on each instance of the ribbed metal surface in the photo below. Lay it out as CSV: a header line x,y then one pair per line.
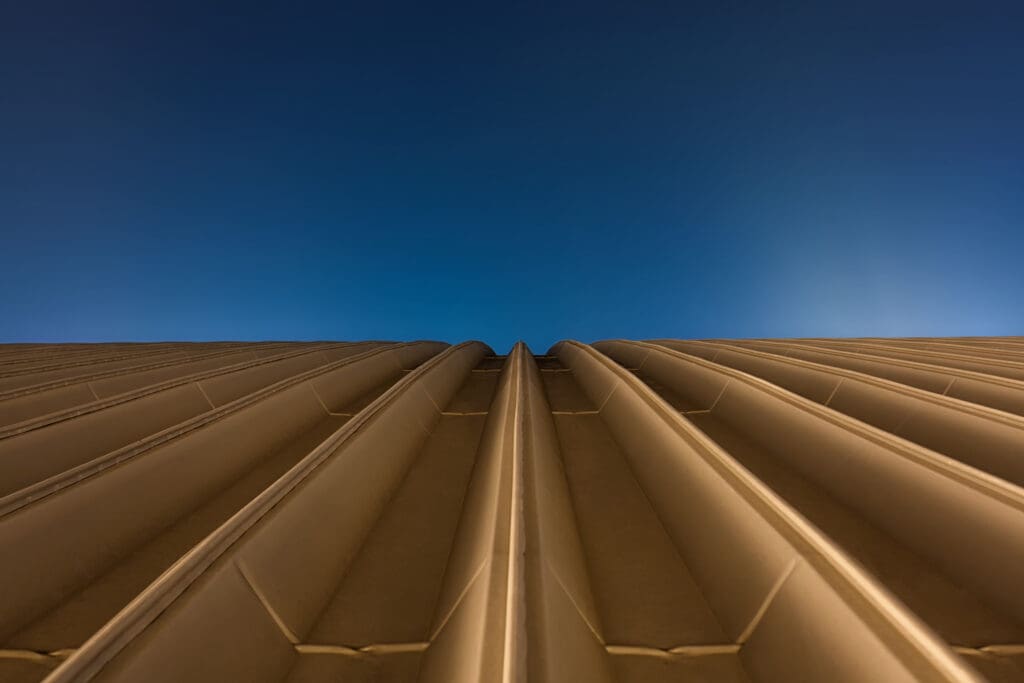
x,y
631,512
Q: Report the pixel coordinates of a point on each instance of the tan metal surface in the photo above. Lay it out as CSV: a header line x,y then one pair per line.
x,y
622,512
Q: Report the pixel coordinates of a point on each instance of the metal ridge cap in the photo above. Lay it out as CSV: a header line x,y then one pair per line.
x,y
138,614
35,492
46,420
66,351
111,354
860,344
1001,489
107,359
955,346
885,360
514,666
853,347
785,519
976,409
17,392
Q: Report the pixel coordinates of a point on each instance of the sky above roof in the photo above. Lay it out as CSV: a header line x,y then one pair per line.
x,y
503,171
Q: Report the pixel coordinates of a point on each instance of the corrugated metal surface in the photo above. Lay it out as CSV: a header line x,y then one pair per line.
x,y
721,510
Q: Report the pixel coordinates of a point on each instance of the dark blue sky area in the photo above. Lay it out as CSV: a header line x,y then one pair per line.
x,y
510,170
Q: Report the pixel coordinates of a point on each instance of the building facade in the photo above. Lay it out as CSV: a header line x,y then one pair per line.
x,y
623,511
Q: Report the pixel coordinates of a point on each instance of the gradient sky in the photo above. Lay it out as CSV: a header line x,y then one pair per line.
x,y
505,170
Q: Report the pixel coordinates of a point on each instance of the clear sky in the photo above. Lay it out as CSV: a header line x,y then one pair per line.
x,y
505,170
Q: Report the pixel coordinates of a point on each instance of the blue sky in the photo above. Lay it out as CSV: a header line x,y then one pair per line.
x,y
510,170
